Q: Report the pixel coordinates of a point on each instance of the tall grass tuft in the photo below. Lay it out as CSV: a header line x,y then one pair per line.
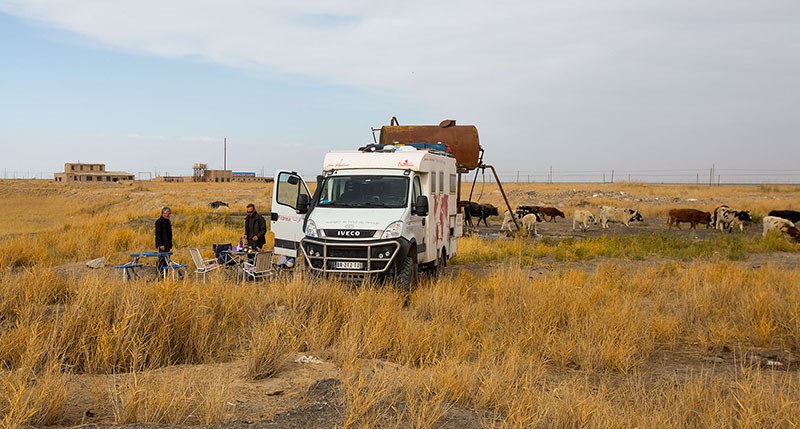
x,y
176,399
31,399
271,342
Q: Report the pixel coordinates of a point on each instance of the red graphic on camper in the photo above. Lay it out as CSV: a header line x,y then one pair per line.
x,y
405,163
440,213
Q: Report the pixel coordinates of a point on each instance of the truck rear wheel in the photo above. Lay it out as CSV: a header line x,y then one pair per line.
x,y
441,262
406,275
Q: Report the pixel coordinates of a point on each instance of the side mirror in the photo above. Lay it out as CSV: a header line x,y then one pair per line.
x,y
302,203
421,206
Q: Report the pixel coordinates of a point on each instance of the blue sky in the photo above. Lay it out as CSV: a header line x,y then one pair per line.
x,y
582,86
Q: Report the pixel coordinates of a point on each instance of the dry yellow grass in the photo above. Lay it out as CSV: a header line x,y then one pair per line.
x,y
581,345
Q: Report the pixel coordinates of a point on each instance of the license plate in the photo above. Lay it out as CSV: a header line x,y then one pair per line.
x,y
348,265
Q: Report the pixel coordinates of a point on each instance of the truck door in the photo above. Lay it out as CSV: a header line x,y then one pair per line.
x,y
416,224
286,223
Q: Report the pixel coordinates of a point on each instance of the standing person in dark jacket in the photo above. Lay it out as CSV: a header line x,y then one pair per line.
x,y
163,237
255,228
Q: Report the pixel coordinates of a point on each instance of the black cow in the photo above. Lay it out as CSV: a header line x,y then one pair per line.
x,y
790,215
482,211
523,210
217,204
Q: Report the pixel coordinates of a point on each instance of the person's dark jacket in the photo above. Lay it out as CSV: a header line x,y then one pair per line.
x,y
254,224
163,234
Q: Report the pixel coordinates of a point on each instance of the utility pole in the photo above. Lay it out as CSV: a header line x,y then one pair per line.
x,y
225,155
711,176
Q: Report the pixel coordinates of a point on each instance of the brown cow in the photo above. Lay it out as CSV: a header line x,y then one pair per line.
x,y
692,216
552,212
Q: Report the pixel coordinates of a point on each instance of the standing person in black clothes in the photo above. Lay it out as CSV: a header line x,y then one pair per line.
x,y
163,237
255,228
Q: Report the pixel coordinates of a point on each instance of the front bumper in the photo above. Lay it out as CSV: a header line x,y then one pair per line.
x,y
353,257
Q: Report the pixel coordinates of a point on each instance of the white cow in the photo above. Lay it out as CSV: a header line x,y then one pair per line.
x,y
725,218
508,220
621,215
774,223
529,222
583,218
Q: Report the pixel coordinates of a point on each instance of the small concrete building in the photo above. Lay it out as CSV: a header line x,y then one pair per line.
x,y
201,173
82,172
248,176
172,179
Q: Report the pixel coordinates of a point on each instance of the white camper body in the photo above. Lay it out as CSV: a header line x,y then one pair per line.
x,y
366,216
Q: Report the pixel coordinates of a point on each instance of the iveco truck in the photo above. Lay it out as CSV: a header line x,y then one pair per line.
x,y
389,211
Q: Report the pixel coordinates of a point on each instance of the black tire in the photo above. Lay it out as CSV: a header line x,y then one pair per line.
x,y
406,276
441,263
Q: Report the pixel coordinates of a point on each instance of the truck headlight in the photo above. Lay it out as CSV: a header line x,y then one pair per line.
x,y
311,229
394,230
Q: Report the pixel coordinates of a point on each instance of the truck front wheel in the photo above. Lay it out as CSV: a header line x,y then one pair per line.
x,y
406,275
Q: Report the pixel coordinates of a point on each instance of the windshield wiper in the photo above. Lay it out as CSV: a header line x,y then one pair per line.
x,y
335,204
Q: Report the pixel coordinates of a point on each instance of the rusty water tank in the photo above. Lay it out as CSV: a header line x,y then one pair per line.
x,y
462,139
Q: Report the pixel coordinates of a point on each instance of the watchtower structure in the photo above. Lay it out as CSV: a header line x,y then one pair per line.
x,y
199,172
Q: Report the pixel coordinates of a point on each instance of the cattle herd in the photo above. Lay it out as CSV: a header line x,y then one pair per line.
x,y
723,218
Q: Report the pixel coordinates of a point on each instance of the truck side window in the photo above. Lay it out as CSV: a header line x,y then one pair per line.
x,y
417,190
433,183
453,184
441,182
289,187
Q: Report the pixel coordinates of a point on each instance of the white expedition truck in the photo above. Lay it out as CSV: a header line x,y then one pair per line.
x,y
380,213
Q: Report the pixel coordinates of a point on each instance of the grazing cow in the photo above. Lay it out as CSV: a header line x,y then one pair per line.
x,y
523,210
217,204
785,226
482,211
529,222
621,215
552,212
692,216
508,220
724,218
791,215
583,218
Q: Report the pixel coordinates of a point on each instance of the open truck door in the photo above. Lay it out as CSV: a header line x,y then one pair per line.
x,y
289,196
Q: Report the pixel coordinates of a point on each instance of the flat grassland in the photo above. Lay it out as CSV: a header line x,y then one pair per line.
x,y
624,327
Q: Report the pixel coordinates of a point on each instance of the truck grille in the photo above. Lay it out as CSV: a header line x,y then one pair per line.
x,y
350,257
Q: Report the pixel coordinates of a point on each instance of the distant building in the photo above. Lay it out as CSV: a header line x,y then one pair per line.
x,y
80,172
201,173
172,179
248,176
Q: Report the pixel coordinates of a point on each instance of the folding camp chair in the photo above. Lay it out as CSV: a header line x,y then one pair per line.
x,y
202,266
260,267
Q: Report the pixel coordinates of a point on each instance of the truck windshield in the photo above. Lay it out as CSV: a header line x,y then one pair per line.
x,y
364,191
